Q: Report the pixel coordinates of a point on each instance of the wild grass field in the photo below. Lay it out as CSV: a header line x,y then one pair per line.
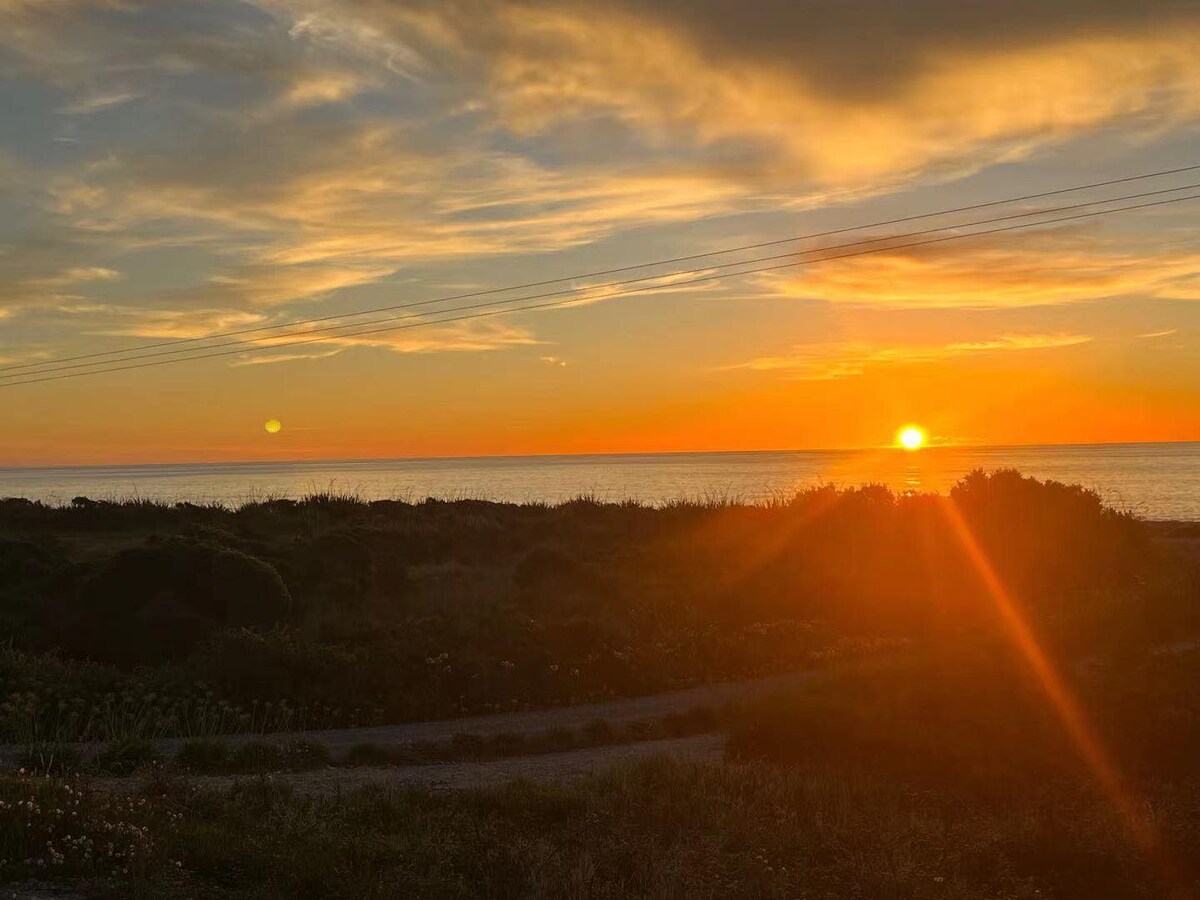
x,y
941,778
1009,707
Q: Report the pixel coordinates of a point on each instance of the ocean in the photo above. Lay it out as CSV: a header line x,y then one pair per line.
x,y
1158,481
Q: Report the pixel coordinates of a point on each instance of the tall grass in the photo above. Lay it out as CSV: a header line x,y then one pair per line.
x,y
654,830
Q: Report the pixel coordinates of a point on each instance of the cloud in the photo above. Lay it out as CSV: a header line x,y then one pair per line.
x,y
826,361
322,87
178,324
818,92
1158,334
76,275
473,337
296,150
1027,269
264,285
85,105
48,291
283,357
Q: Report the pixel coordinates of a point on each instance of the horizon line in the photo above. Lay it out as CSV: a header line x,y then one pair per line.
x,y
615,454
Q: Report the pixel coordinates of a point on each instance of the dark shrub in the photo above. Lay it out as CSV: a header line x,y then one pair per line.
x,y
178,590
24,560
1047,538
546,568
202,756
125,757
258,756
337,566
279,663
247,591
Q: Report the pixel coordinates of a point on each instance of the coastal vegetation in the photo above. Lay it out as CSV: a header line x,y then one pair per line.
x,y
1008,705
127,620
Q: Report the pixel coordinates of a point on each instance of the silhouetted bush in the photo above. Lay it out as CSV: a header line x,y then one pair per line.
x,y
156,601
258,756
202,756
125,757
26,560
545,568
337,566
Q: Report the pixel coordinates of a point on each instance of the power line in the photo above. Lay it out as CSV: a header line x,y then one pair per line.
x,y
596,274
559,303
331,329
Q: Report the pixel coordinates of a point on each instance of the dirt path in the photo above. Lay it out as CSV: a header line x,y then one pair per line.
x,y
546,768
616,712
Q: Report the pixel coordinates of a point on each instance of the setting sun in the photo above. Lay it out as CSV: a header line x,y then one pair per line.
x,y
910,437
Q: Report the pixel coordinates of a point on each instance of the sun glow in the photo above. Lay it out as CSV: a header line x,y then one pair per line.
x,y
273,426
910,437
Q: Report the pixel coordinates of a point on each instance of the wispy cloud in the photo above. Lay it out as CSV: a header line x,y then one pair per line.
x,y
76,275
472,337
1030,269
93,103
822,362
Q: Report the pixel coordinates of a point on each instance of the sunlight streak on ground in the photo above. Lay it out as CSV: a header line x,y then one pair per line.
x,y
1067,708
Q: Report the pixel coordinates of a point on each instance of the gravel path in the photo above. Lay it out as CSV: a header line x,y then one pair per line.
x,y
546,768
616,712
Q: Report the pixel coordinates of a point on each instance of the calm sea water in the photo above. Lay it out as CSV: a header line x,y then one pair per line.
x,y
1160,481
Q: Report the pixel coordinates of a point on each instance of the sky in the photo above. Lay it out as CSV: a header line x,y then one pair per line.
x,y
175,170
